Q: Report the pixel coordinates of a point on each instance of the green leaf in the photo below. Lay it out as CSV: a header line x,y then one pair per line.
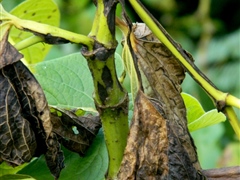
x,y
130,69
194,108
44,11
197,117
16,177
208,119
7,169
67,82
119,64
92,166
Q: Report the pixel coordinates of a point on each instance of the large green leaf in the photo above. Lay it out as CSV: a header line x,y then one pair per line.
x,y
67,82
44,11
197,117
92,166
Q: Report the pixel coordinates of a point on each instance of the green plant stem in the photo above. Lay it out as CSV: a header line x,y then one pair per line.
x,y
44,29
233,101
28,42
233,120
111,99
183,58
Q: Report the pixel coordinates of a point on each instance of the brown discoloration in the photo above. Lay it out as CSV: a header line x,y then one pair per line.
x,y
146,151
165,75
87,127
26,129
159,145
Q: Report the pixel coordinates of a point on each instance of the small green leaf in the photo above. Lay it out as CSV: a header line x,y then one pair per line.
x,y
44,11
67,82
92,166
194,108
197,117
208,119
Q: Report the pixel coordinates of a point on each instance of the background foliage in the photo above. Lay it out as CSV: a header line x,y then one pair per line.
x,y
209,30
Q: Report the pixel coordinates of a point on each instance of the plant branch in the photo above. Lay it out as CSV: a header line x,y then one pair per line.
x,y
229,173
233,101
28,42
45,31
233,120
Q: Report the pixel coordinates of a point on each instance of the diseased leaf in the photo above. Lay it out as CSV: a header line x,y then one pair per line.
x,y
159,145
8,54
165,75
17,139
153,150
44,11
76,133
26,129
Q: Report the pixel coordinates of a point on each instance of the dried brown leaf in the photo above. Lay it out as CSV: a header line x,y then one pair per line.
x,y
26,129
17,139
159,145
8,54
79,138
153,151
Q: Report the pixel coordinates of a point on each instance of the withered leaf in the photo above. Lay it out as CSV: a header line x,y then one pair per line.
x,y
18,142
153,150
76,133
26,129
164,75
159,145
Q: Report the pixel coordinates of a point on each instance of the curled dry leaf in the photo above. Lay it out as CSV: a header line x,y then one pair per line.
x,y
26,129
159,145
153,150
76,133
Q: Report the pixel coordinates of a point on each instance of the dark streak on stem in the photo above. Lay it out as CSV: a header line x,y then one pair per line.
x,y
106,78
109,12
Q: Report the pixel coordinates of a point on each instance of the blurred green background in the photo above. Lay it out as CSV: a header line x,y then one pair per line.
x,y
209,30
